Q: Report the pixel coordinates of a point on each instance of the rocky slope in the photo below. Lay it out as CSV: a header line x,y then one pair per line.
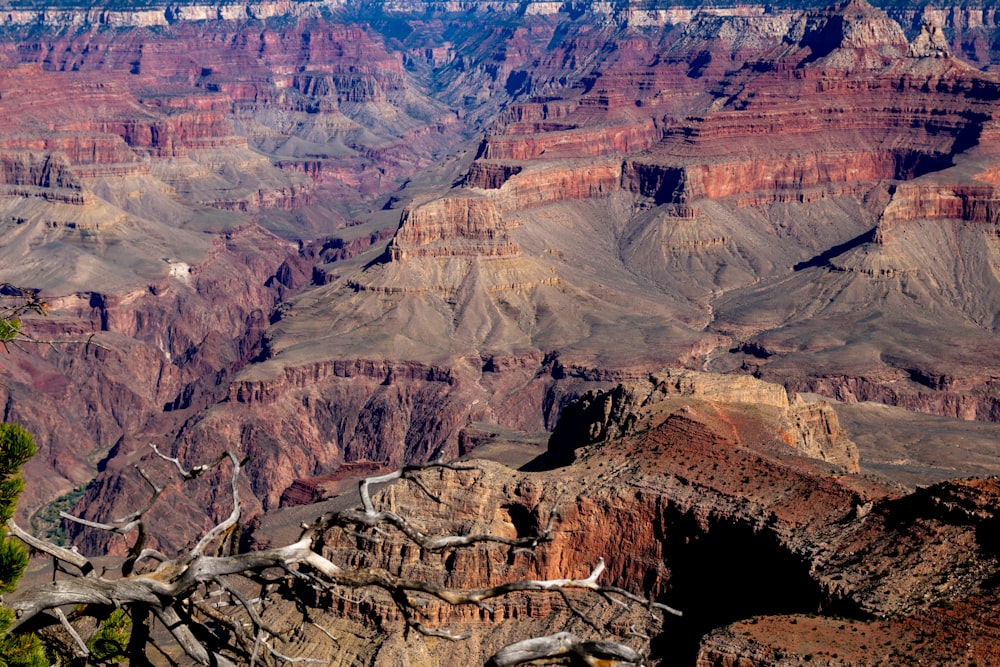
x,y
705,504
326,234
744,216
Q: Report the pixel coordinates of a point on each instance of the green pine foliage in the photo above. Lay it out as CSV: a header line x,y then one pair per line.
x,y
15,302
16,447
109,644
9,330
20,650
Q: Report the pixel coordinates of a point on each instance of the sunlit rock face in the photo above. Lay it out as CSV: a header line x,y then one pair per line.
x,y
323,235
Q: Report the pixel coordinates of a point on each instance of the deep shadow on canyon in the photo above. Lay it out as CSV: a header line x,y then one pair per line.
x,y
727,572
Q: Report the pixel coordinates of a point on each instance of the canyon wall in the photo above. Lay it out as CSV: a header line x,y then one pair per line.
x,y
338,240
704,507
121,360
635,136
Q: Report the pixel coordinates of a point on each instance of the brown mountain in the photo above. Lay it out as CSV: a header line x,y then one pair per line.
x,y
325,234
662,211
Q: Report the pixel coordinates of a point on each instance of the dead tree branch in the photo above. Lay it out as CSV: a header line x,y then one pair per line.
x,y
565,643
187,593
16,302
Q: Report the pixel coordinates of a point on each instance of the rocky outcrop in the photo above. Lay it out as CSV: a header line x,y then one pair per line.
x,y
963,31
851,25
563,181
965,202
915,607
673,183
45,175
811,426
299,377
489,175
314,489
930,43
818,434
451,226
950,402
773,556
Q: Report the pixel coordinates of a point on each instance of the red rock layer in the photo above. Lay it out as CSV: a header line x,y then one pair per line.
x,y
560,182
490,176
968,203
844,105
666,183
469,225
549,142
302,376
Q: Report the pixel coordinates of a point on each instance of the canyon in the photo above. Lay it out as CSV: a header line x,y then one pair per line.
x,y
341,237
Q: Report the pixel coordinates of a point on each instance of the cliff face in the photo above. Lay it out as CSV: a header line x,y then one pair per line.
x,y
811,427
775,558
454,225
782,193
914,619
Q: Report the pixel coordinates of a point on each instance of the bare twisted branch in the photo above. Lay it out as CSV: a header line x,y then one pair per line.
x,y
176,591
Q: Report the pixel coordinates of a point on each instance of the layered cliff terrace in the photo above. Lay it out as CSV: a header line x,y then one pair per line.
x,y
85,127
835,138
452,226
965,202
267,391
551,141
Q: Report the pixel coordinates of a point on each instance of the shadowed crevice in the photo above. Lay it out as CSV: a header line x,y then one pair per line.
x,y
723,572
823,259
